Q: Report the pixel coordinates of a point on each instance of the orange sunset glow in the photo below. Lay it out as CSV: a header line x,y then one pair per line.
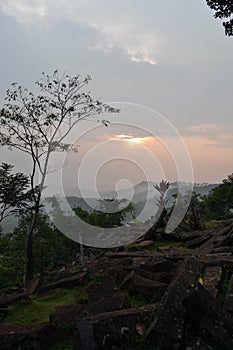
x,y
132,140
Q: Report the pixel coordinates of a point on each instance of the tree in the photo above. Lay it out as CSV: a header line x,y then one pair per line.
x,y
14,197
223,9
219,202
50,248
161,214
37,125
193,218
109,213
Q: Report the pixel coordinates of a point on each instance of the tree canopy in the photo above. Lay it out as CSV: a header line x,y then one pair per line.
x,y
110,213
223,9
38,124
14,194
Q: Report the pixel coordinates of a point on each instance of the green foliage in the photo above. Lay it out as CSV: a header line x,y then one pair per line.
x,y
49,246
219,203
67,344
14,196
37,310
111,213
38,124
136,300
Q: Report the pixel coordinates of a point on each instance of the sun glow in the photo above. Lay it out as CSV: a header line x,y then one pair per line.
x,y
131,139
137,140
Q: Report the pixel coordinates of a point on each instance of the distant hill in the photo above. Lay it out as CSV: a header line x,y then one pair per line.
x,y
143,197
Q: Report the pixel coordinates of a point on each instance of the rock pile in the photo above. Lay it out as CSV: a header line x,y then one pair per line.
x,y
184,300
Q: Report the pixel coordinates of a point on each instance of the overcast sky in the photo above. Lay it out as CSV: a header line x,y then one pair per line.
x,y
170,56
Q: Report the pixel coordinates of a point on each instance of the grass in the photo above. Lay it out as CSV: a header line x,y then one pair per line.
x,y
67,344
154,247
135,301
212,224
38,309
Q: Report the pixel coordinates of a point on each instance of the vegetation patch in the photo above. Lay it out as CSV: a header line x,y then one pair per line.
x,y
38,309
135,301
154,247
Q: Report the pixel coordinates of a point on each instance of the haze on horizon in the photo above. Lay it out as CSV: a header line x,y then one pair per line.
x,y
171,57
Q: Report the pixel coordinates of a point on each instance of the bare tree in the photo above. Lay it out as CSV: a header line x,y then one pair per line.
x,y
38,125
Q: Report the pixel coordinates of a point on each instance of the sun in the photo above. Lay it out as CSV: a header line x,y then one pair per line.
x,y
130,139
135,140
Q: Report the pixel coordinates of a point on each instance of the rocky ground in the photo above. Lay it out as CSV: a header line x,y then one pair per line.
x,y
177,296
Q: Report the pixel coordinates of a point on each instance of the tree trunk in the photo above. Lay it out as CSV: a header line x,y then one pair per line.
x,y
82,258
29,268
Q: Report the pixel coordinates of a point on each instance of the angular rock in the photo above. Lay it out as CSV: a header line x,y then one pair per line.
x,y
39,336
163,277
69,282
168,326
144,287
11,299
216,240
65,315
204,311
117,273
212,277
84,336
70,313
197,242
159,266
116,302
140,245
112,328
228,304
102,290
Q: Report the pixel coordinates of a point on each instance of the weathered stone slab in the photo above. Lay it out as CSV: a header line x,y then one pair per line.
x,y
206,312
39,336
212,276
163,277
228,304
141,286
11,299
133,254
110,329
168,326
116,302
197,242
102,290
159,266
69,282
140,245
70,313
217,238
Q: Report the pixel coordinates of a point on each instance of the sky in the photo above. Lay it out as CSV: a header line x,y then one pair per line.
x,y
166,64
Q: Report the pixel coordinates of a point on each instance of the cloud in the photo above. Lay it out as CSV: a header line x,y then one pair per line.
x,y
116,25
203,129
